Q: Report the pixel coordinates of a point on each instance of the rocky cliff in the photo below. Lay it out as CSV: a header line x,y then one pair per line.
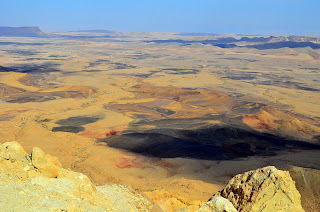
x,y
37,182
265,189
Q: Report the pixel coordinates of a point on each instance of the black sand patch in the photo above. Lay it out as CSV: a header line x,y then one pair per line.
x,y
72,129
180,71
239,59
164,112
287,84
77,121
31,68
26,99
45,120
241,77
238,75
122,66
98,62
312,69
74,124
148,75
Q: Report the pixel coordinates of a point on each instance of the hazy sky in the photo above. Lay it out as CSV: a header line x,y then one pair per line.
x,y
223,16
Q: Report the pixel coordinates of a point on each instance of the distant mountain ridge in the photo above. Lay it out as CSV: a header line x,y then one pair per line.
x,y
96,31
21,31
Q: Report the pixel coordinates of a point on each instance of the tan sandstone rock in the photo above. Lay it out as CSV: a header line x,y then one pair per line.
x,y
14,161
38,183
218,204
46,164
13,147
265,189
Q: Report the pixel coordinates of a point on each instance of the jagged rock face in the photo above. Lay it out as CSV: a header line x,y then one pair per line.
x,y
218,204
38,183
265,189
46,164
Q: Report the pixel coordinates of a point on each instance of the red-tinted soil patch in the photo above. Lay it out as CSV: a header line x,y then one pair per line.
x,y
14,111
126,163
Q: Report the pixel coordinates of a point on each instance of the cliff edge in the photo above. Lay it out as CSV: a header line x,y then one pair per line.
x,y
37,182
265,189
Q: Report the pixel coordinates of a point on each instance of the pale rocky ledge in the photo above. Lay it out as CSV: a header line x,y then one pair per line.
x,y
37,182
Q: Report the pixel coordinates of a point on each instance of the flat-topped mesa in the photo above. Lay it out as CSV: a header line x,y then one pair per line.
x,y
39,183
265,189
20,31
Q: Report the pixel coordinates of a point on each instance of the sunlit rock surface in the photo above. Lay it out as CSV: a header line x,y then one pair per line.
x,y
265,189
38,183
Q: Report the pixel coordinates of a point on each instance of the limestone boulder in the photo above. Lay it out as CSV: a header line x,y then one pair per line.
x,y
265,189
14,161
218,204
46,164
38,183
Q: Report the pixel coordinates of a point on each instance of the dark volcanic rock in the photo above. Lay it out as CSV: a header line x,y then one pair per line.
x,y
31,68
72,129
35,98
77,121
180,71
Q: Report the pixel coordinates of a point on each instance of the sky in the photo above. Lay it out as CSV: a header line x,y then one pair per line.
x,y
211,16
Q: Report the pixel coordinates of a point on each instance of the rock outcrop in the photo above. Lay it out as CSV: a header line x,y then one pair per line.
x,y
218,204
46,164
38,183
265,189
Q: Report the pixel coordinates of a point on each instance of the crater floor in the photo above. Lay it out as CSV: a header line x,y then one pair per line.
x,y
171,115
